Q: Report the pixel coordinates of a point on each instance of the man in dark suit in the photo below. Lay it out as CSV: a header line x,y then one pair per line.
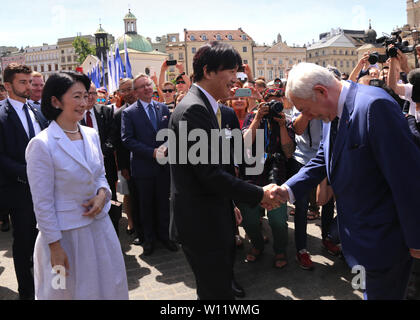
x,y
101,118
201,194
123,161
19,123
364,139
140,125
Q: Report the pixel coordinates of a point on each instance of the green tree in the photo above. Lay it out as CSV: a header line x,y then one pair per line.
x,y
83,49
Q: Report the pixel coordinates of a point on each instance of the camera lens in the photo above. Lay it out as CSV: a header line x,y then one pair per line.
x,y
392,52
373,58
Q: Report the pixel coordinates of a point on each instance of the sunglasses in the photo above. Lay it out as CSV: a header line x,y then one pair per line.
x,y
101,100
180,82
168,90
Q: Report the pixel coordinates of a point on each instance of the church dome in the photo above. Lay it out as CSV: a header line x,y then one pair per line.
x,y
370,35
100,30
129,15
135,42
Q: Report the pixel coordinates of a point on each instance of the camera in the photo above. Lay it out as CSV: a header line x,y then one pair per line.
x,y
375,57
396,40
377,83
274,109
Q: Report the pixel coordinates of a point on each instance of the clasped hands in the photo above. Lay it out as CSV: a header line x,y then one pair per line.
x,y
274,197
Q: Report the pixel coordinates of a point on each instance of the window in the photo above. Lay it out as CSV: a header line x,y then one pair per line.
x,y
35,68
68,58
280,61
244,49
323,64
348,64
323,52
316,54
347,53
230,37
269,61
192,38
193,50
290,62
56,67
261,73
49,68
173,39
341,64
334,51
354,64
181,56
299,61
63,60
204,37
244,37
218,37
62,51
310,55
270,74
341,51
171,56
42,68
260,62
281,74
335,64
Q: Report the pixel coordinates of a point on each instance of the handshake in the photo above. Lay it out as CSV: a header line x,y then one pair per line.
x,y
274,196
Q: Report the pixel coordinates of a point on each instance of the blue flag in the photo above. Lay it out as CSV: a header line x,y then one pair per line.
x,y
127,61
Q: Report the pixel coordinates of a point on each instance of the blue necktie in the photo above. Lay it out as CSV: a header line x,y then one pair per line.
x,y
152,115
29,120
333,134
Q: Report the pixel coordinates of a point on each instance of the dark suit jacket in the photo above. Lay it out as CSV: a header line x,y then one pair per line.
x,y
106,127
14,187
139,136
122,153
374,172
230,122
201,194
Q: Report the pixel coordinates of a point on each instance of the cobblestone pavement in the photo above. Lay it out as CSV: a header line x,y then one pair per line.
x,y
167,276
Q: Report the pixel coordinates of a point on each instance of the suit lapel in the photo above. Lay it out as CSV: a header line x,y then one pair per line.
x,y
39,118
13,116
345,123
67,146
145,116
206,101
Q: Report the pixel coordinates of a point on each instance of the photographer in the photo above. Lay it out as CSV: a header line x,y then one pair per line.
x,y
279,147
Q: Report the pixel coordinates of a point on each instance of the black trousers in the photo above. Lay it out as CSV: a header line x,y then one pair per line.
x,y
134,204
153,199
114,214
213,272
24,237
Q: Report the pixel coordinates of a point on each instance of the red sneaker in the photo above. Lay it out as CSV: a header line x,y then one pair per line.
x,y
331,247
304,260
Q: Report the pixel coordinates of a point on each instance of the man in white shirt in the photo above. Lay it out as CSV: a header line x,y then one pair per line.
x,y
19,123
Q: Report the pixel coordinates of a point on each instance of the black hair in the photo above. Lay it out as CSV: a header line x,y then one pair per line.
x,y
56,86
216,56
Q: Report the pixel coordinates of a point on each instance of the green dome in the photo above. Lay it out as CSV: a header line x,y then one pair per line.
x,y
100,30
135,42
129,15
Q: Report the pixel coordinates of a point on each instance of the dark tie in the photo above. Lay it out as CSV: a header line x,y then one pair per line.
x,y
333,134
89,122
29,120
152,115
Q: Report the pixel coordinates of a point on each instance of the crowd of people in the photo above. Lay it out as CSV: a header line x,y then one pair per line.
x,y
67,148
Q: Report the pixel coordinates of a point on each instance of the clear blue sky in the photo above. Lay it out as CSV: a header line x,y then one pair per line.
x,y
35,22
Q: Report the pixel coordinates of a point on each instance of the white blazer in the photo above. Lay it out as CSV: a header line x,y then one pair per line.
x,y
61,179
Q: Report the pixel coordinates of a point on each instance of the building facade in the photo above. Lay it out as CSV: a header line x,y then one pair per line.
x,y
44,59
14,57
240,40
67,54
271,62
336,48
413,13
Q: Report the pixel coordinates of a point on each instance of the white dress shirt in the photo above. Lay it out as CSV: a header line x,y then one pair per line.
x,y
340,108
212,101
146,107
18,106
94,122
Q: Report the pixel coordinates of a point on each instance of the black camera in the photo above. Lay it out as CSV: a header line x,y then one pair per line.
x,y
375,57
377,83
274,109
396,40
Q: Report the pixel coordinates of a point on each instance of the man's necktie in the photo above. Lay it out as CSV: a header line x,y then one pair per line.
x,y
152,115
89,122
219,117
333,134
29,120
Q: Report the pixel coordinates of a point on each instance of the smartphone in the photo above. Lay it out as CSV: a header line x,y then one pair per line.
x,y
243,92
171,62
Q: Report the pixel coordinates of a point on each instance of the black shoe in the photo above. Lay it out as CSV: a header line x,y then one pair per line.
x,y
170,245
5,226
137,241
237,290
148,248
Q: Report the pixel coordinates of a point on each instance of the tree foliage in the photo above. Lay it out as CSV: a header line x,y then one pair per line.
x,y
83,48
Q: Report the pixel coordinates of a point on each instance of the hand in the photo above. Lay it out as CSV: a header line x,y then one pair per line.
x,y
271,199
180,67
238,216
281,121
262,111
364,61
59,257
154,78
415,253
160,153
164,67
402,58
95,205
126,174
247,70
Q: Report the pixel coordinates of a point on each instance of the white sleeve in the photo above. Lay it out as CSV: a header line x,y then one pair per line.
x,y
291,195
101,181
40,171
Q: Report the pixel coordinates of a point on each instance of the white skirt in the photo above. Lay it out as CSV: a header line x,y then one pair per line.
x,y
97,269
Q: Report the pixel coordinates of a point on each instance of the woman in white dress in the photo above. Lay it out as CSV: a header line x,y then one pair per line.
x,y
71,199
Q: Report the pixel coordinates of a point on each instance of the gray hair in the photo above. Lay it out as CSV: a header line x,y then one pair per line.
x,y
141,75
304,77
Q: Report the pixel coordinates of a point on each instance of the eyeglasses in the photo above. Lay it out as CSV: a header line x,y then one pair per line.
x,y
168,90
180,82
101,100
